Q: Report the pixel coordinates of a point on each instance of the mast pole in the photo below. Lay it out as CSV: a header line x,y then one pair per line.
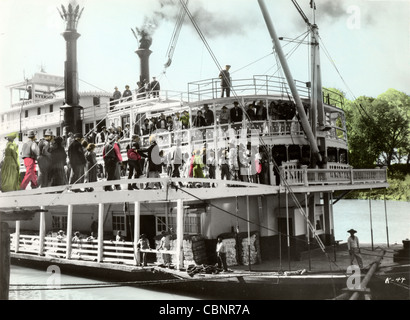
x,y
291,82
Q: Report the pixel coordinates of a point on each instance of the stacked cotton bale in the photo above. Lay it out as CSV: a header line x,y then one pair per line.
x,y
173,244
198,249
231,256
254,248
194,251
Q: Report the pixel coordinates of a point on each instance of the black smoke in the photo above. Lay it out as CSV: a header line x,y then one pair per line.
x,y
212,24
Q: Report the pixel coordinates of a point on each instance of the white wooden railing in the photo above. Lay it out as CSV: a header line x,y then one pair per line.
x,y
112,251
343,175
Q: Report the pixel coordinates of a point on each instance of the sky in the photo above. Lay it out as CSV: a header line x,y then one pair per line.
x,y
365,44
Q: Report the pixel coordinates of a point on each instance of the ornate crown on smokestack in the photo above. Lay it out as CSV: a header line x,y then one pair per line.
x,y
71,16
143,36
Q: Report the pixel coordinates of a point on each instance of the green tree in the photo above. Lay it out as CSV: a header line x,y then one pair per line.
x,y
401,101
378,129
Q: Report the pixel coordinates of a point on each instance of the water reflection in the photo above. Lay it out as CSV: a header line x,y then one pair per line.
x,y
33,284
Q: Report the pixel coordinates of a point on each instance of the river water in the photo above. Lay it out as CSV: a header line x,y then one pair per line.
x,y
32,284
356,214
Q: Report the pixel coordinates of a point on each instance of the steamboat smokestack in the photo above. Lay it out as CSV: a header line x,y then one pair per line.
x,y
143,52
72,109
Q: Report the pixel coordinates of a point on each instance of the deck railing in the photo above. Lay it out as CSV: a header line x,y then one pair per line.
x,y
87,250
310,177
258,85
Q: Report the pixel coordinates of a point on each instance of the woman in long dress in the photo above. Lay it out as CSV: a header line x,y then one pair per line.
x,y
10,171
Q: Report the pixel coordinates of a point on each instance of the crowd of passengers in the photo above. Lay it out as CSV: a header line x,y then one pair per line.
x,y
59,163
182,121
54,161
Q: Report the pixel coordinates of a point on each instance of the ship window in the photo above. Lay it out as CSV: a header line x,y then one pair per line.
x,y
89,127
319,222
192,223
96,101
59,222
124,120
118,223
38,111
26,113
58,132
51,108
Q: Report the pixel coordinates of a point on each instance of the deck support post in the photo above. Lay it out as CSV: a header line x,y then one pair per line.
x,y
4,260
287,226
327,212
42,231
100,249
17,237
371,222
69,230
137,226
180,233
385,215
249,233
308,229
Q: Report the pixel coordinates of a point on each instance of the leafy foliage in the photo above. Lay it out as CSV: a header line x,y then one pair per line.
x,y
379,134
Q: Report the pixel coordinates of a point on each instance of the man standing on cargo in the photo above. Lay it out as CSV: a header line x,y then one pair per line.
x,y
354,248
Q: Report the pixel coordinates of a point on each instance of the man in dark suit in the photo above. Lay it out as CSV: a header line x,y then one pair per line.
x,y
77,160
236,114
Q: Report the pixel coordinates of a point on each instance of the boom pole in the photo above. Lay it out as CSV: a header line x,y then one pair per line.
x,y
305,123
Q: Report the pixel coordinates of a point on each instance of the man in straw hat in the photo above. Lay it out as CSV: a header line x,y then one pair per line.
x,y
354,248
10,170
30,153
116,95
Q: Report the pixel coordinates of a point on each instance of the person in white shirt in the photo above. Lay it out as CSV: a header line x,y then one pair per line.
x,y
221,254
354,248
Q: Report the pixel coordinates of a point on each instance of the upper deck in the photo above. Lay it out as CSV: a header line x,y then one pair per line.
x,y
278,126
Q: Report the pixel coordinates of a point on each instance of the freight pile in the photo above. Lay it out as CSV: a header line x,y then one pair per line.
x,y
193,250
254,248
237,250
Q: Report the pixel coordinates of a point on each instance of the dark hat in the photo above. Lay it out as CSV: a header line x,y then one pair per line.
x,y
48,133
228,65
78,135
235,102
31,134
224,107
58,140
352,231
